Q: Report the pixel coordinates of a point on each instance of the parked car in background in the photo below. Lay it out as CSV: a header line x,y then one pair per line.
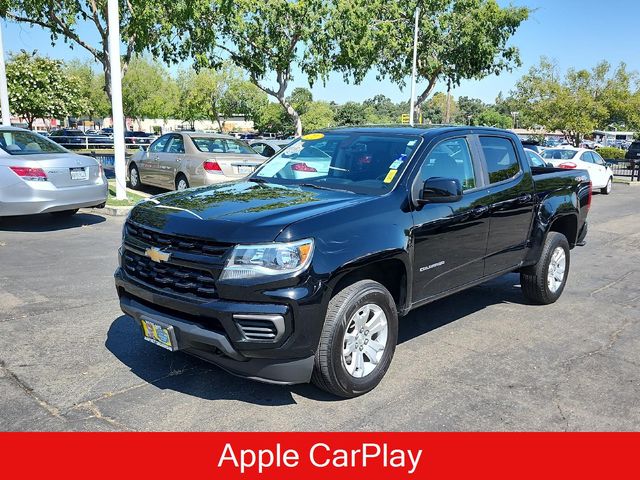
x,y
74,138
39,176
532,145
138,138
633,153
108,132
91,131
181,160
268,147
535,160
570,157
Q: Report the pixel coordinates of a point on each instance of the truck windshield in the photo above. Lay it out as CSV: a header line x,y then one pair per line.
x,y
17,142
367,163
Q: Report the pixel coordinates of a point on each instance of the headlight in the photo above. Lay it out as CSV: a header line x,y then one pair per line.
x,y
250,261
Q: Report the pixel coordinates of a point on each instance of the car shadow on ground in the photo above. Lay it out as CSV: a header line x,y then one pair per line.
x,y
185,374
47,222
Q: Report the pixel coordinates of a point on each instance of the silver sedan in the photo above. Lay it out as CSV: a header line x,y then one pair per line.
x,y
39,176
181,160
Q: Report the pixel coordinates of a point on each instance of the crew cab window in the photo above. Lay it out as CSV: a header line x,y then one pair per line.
x,y
500,155
158,145
597,158
450,159
586,157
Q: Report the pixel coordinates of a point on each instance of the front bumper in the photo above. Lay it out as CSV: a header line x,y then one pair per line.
x,y
220,343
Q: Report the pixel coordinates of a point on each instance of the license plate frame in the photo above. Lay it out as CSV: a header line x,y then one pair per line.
x,y
159,333
245,169
79,173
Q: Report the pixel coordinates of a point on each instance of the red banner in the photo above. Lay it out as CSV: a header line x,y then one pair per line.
x,y
308,456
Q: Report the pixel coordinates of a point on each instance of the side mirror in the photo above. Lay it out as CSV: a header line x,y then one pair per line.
x,y
441,190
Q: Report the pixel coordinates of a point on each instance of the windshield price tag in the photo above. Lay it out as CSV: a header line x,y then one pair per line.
x,y
390,176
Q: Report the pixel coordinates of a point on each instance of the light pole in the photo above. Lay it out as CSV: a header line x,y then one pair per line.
x,y
515,119
117,114
414,70
4,91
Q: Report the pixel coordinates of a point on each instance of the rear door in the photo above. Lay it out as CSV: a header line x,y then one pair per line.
x,y
597,172
510,190
450,239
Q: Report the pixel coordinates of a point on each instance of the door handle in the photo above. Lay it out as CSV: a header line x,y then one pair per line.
x,y
480,210
525,198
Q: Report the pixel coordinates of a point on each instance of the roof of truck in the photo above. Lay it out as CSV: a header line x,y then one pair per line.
x,y
422,130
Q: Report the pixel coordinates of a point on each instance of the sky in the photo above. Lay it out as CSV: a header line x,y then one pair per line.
x,y
577,33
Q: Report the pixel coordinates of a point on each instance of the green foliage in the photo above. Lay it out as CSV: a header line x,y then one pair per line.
x,y
611,153
493,118
318,115
148,91
458,39
351,113
272,118
39,88
91,89
469,109
579,101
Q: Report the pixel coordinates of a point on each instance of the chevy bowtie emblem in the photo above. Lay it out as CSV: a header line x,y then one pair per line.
x,y
157,255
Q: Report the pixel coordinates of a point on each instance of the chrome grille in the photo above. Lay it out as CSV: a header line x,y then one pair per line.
x,y
174,242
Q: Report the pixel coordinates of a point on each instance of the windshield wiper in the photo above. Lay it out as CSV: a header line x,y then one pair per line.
x,y
322,187
256,180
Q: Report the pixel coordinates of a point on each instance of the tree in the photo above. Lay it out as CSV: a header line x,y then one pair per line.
x,y
301,99
317,115
39,88
572,104
351,113
469,109
272,118
148,91
144,25
91,89
381,110
269,38
492,118
458,39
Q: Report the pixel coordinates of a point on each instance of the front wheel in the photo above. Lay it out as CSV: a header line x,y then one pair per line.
x,y
607,189
358,340
181,182
544,282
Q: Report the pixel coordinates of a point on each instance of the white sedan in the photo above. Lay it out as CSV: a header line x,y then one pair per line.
x,y
582,158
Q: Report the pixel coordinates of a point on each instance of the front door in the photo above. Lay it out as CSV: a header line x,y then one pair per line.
x,y
170,160
450,239
150,164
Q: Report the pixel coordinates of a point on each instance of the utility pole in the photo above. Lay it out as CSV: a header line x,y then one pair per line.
x,y
117,114
4,91
447,115
414,70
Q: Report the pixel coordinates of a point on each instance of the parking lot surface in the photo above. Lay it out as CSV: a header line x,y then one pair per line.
x,y
479,360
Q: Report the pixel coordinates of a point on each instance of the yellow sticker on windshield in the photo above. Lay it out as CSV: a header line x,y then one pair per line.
x,y
313,136
390,176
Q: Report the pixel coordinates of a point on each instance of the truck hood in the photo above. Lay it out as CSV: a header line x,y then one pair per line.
x,y
238,212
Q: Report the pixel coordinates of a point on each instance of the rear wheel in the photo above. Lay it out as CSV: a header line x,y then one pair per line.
x,y
607,190
181,182
544,282
65,213
134,176
358,340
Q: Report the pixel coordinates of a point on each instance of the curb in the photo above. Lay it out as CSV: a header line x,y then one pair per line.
x,y
112,211
626,182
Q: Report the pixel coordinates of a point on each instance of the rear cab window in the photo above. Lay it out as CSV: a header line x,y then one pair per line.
x,y
500,158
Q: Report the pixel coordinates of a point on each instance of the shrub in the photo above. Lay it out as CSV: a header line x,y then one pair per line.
x,y
611,153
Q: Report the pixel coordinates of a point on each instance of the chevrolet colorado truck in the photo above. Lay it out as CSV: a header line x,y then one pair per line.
x,y
300,271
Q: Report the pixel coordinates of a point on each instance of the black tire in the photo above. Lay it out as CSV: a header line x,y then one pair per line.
x,y
330,372
65,213
607,189
533,279
134,176
181,178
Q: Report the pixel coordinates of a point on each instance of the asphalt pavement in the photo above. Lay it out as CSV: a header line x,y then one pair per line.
x,y
480,360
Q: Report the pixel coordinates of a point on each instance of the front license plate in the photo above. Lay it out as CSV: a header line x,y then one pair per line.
x,y
161,336
79,173
245,169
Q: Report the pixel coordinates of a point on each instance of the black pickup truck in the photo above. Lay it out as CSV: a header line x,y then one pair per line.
x,y
300,271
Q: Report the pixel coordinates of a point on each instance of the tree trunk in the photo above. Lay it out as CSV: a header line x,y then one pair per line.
x,y
423,96
30,121
293,114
